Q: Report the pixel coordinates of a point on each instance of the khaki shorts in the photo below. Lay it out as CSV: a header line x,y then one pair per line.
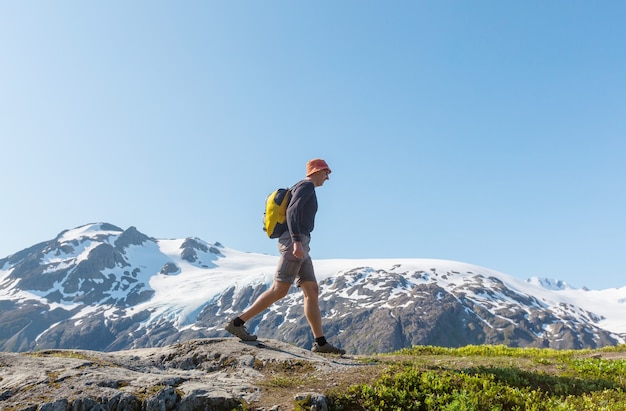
x,y
290,268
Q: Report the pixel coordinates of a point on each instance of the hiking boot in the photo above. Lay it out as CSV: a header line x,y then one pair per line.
x,y
240,332
327,348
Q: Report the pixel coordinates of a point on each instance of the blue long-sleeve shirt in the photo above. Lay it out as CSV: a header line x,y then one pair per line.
x,y
302,209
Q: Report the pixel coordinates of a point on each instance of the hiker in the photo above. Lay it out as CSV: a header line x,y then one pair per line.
x,y
295,263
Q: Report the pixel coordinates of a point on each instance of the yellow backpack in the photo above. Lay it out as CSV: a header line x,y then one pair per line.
x,y
275,216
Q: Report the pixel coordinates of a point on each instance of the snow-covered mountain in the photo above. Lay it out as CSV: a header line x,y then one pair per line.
x,y
104,288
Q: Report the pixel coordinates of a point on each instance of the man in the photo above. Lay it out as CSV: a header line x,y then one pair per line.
x,y
295,263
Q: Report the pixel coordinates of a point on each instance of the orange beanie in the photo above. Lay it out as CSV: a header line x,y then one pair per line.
x,y
315,165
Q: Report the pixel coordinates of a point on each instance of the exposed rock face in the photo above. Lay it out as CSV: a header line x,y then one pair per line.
x,y
208,374
131,236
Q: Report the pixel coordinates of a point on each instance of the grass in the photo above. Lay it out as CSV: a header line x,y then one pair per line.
x,y
492,378
475,378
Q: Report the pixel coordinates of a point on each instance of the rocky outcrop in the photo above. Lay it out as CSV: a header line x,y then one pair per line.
x,y
215,374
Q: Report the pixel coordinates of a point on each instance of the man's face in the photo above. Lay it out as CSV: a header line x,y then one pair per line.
x,y
320,177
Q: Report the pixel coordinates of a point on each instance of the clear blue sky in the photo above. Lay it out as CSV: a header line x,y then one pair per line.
x,y
487,132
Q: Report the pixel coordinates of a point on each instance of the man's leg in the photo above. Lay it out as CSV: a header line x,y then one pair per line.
x,y
288,267
235,326
314,317
312,308
277,291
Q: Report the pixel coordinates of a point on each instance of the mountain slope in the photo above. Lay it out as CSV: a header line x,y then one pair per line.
x,y
104,288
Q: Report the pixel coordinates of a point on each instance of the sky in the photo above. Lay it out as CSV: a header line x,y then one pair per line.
x,y
486,132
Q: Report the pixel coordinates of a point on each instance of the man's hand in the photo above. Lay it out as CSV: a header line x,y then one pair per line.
x,y
298,251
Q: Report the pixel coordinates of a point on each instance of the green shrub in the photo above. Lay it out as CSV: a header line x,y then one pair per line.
x,y
560,380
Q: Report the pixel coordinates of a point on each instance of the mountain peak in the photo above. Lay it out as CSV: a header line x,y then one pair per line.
x,y
92,230
131,236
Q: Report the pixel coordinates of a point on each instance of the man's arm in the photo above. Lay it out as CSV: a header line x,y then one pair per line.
x,y
300,195
298,250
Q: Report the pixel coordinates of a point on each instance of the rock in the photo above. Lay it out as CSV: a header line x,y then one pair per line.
x,y
315,400
59,405
215,374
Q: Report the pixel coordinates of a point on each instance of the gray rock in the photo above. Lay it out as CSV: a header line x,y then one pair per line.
x,y
316,401
203,374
